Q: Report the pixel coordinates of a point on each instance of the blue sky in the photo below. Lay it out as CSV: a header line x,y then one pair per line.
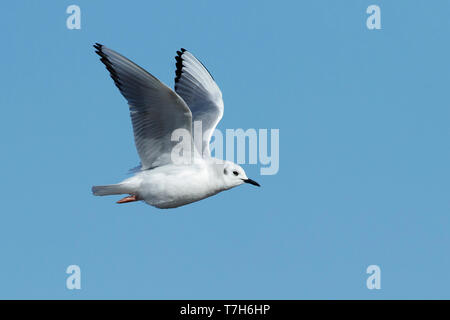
x,y
364,152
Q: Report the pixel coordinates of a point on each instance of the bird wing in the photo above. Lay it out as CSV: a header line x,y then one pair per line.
x,y
155,109
196,86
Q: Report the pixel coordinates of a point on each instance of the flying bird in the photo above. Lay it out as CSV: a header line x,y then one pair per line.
x,y
156,112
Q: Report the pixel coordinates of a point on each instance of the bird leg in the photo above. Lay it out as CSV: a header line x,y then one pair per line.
x,y
129,198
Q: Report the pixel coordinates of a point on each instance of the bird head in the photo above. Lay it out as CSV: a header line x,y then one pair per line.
x,y
234,175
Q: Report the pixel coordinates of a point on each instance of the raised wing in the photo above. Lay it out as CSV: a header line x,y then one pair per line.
x,y
198,89
155,109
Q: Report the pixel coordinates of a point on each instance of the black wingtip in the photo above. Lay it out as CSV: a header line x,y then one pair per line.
x,y
179,64
98,46
104,59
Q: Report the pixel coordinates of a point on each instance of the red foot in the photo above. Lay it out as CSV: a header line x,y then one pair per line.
x,y
128,199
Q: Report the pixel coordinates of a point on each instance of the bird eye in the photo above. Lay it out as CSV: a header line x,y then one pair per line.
x,y
235,173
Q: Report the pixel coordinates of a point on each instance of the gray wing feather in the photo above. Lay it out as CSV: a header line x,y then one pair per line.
x,y
155,109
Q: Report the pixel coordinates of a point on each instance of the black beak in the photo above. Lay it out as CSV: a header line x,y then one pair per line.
x,y
253,182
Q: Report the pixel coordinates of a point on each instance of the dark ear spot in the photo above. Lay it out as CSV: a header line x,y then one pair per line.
x,y
225,171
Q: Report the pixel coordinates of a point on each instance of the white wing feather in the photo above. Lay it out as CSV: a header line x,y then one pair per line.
x,y
198,89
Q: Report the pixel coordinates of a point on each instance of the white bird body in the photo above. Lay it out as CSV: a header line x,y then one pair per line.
x,y
172,185
156,111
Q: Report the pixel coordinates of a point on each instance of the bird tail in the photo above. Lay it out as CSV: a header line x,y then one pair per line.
x,y
111,189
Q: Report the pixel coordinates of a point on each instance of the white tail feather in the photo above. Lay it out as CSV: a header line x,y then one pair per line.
x,y
110,189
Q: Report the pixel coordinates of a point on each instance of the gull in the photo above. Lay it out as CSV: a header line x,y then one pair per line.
x,y
156,112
